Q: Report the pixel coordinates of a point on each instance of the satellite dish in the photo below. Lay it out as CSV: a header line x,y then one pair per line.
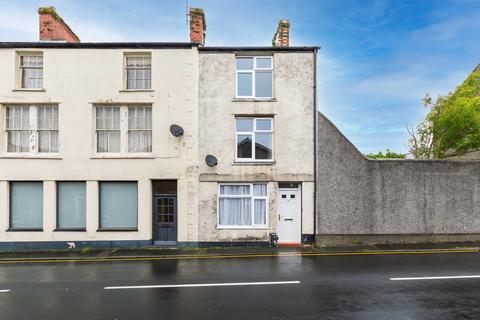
x,y
176,130
211,160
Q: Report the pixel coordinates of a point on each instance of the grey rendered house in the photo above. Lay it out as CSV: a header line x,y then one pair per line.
x,y
121,160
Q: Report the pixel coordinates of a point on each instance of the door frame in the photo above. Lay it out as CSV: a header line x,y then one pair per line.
x,y
300,224
163,195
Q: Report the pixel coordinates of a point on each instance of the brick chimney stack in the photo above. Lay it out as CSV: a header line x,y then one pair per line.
x,y
53,28
198,26
281,38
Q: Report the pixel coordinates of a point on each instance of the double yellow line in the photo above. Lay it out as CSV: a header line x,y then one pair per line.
x,y
235,256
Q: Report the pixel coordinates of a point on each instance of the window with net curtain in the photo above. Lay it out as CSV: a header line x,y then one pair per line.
x,y
71,201
138,72
26,134
47,119
139,129
31,71
26,205
110,130
242,205
118,205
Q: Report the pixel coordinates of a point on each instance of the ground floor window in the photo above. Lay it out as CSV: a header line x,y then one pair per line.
x,y
71,197
242,205
26,205
118,205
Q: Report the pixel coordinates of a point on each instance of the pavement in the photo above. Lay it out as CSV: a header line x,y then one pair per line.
x,y
157,252
403,283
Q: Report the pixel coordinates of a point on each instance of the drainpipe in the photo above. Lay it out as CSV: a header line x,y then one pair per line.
x,y
315,136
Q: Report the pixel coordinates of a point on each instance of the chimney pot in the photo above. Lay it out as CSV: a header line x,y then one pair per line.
x,y
281,38
53,28
198,26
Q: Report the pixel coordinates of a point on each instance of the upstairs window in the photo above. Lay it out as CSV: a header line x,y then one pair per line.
x,y
254,138
139,129
31,71
47,119
18,129
32,129
254,77
138,70
124,129
108,129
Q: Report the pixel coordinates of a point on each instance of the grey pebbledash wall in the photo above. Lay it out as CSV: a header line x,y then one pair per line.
x,y
392,201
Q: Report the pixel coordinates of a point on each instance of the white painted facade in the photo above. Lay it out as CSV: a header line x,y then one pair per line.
x,y
77,80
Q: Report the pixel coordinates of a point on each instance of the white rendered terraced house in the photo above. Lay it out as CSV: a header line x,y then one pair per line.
x,y
105,144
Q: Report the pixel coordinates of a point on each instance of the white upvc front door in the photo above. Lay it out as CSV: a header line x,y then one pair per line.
x,y
289,215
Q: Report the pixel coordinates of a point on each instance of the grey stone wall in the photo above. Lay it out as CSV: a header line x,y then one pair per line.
x,y
392,201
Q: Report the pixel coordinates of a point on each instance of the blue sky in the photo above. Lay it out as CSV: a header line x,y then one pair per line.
x,y
378,58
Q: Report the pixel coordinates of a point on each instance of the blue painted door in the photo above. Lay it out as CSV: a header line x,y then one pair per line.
x,y
164,218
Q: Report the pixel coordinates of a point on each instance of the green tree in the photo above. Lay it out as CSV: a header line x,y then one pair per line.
x,y
452,125
387,155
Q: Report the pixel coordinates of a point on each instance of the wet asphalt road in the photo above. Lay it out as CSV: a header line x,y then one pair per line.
x,y
338,287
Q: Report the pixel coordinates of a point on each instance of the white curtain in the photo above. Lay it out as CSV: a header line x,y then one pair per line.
x,y
260,190
238,190
108,141
139,141
235,212
18,141
260,207
108,129
18,126
139,72
140,125
47,119
32,71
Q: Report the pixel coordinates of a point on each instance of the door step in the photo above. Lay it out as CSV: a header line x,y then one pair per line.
x,y
165,243
290,244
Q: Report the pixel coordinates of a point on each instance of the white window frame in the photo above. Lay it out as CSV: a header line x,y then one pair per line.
x,y
125,69
252,133
252,72
33,148
252,204
123,131
19,84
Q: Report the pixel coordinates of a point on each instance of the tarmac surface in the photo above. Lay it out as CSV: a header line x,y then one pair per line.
x,y
275,285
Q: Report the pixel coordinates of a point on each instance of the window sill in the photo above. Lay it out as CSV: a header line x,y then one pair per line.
x,y
117,229
23,230
254,100
253,163
242,228
123,156
70,230
29,90
137,90
31,156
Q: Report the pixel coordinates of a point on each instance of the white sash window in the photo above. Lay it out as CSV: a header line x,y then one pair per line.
x,y
32,129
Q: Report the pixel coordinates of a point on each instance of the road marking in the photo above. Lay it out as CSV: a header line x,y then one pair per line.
x,y
435,278
236,256
193,285
5,290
